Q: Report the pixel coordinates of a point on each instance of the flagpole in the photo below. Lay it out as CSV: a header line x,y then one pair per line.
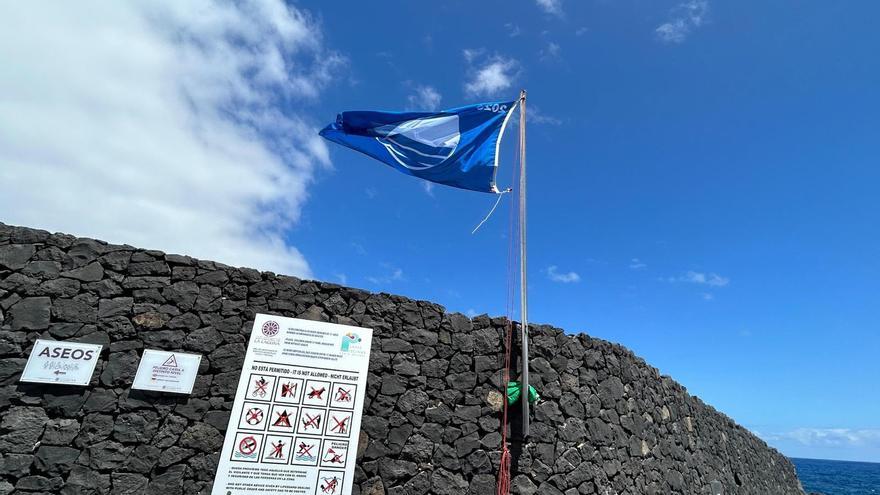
x,y
524,306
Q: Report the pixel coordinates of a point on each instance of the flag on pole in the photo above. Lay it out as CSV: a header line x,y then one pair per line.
x,y
457,147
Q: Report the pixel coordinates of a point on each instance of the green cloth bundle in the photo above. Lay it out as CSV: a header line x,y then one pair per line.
x,y
514,390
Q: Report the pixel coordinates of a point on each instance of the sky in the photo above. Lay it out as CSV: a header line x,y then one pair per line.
x,y
702,174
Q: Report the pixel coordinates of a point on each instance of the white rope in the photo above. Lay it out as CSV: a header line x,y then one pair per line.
x,y
500,195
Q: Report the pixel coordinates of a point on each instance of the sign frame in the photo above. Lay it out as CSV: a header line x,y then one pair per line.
x,y
32,373
142,377
297,410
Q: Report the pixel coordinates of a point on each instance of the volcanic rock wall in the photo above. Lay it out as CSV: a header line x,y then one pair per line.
x,y
608,423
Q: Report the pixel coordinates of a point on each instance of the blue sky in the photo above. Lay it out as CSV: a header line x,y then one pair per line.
x,y
702,173
714,190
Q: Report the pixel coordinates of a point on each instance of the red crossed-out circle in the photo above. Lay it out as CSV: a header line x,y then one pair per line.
x,y
247,445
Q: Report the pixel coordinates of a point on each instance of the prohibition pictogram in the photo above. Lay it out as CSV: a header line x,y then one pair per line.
x,y
261,386
254,416
288,389
277,450
247,445
332,457
316,394
329,485
343,395
304,450
341,426
311,421
283,419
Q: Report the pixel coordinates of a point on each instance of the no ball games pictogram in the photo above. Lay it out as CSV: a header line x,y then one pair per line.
x,y
254,416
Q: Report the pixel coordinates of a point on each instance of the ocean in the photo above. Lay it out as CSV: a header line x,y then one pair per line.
x,y
838,477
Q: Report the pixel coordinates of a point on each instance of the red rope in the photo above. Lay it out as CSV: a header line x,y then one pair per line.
x,y
503,485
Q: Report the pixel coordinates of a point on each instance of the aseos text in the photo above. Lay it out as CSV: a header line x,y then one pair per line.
x,y
58,352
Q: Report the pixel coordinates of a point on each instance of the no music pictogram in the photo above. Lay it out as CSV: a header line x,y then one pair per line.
x,y
247,445
288,389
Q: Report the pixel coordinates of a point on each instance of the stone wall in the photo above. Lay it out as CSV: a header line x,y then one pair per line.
x,y
608,423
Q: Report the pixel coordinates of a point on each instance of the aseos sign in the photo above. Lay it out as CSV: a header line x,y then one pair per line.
x,y
65,363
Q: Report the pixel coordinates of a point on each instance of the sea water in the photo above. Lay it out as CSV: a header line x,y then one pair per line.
x,y
838,477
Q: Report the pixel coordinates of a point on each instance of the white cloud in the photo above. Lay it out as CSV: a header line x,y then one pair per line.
x,y
513,30
167,125
424,98
551,51
551,6
392,274
428,187
489,76
471,313
565,278
707,296
343,278
581,31
636,264
686,17
537,116
699,278
829,437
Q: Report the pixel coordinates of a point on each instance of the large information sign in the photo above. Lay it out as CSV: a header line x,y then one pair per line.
x,y
297,413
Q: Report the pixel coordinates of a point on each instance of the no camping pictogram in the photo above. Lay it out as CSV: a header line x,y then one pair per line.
x,y
282,419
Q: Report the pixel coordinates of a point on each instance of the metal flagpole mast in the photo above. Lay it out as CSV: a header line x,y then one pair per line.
x,y
524,306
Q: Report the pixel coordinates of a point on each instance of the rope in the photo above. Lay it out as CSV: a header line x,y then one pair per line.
x,y
500,195
503,482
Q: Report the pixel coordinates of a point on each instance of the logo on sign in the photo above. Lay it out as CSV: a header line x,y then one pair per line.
x,y
270,328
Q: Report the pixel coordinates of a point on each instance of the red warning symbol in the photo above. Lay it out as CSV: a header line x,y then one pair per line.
x,y
283,419
316,394
254,416
340,427
343,395
329,485
247,445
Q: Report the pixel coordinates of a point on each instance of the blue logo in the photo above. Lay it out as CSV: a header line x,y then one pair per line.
x,y
421,144
348,339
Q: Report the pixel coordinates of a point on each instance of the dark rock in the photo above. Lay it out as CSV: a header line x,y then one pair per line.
x,y
31,313
14,256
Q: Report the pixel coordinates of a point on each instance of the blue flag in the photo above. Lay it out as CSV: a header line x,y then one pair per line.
x,y
457,147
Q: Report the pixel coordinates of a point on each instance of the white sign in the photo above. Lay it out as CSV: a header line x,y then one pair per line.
x,y
164,371
67,363
297,412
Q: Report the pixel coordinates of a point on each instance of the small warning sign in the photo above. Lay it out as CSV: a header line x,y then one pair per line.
x,y
163,371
